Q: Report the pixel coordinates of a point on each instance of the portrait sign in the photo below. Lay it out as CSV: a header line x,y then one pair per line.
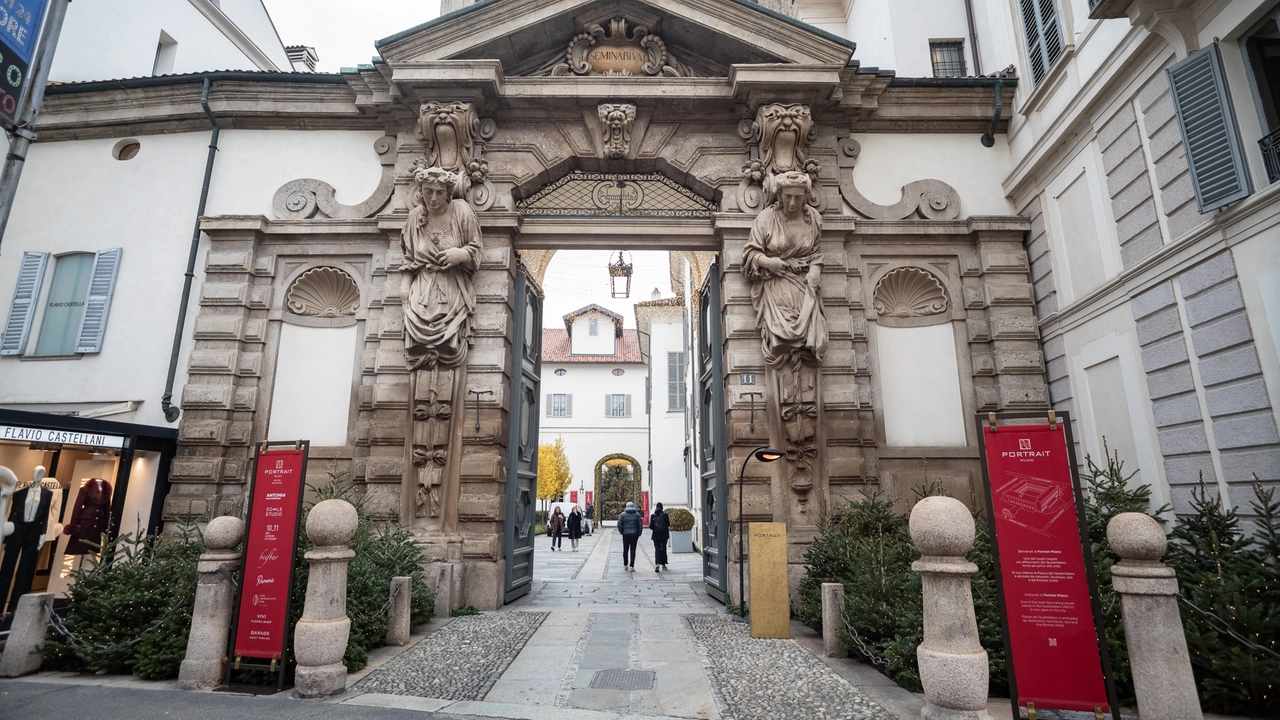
x,y
1047,589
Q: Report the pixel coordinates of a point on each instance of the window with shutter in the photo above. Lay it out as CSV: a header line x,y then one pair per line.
x,y
1043,35
102,283
1209,133
17,325
675,382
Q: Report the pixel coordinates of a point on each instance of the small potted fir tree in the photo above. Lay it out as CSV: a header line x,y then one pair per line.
x,y
681,530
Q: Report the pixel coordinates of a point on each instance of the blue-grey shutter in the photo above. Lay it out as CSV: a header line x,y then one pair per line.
x,y
102,283
550,406
17,324
1209,133
1043,33
627,407
568,406
608,406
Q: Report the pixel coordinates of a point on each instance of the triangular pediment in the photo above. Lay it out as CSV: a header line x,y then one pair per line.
x,y
667,37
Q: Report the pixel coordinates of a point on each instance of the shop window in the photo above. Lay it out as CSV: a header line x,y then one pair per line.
x,y
76,305
948,58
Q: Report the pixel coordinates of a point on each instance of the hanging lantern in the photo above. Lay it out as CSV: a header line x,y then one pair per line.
x,y
620,270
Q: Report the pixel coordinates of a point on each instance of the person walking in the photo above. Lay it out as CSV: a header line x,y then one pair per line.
x,y
575,527
630,523
660,528
591,515
557,525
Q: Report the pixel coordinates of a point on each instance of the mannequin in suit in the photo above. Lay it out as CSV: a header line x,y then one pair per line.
x,y
30,518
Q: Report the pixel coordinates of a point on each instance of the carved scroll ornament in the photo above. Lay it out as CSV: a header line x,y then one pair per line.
x,y
929,199
323,292
617,52
300,199
909,293
616,120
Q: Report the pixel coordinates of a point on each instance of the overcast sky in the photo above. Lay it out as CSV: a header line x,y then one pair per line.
x,y
581,277
343,33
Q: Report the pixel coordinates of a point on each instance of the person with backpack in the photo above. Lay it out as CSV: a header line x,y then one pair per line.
x,y
630,524
660,527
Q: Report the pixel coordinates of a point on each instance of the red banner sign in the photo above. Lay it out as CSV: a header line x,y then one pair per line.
x,y
573,496
262,624
589,494
644,507
1051,636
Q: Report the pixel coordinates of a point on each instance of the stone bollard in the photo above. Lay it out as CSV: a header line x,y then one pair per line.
x,y
320,638
832,619
1162,679
205,662
26,635
398,613
953,665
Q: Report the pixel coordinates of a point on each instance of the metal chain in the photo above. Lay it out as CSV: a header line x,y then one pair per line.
x,y
381,613
871,655
76,641
1226,629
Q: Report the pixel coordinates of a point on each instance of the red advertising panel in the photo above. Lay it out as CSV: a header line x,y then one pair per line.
x,y
589,494
644,507
262,624
573,496
1051,638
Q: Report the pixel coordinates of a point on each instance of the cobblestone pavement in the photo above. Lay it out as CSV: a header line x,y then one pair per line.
x,y
770,679
461,661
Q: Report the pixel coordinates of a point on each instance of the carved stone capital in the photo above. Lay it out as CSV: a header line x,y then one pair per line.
x,y
616,121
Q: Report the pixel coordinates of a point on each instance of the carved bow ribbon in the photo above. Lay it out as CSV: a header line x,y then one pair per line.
x,y
802,455
799,421
792,412
422,457
426,411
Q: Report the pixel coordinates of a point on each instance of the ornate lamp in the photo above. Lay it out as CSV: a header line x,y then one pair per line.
x,y
619,270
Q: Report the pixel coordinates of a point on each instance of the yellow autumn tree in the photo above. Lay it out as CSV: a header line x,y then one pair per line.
x,y
553,470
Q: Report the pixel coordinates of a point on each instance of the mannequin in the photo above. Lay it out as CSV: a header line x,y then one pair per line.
x,y
8,483
30,518
54,527
90,517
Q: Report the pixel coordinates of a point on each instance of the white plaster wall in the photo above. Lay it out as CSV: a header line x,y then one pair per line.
x,y
108,39
920,386
589,435
998,33
251,16
889,161
871,27
147,206
667,435
313,385
915,22
584,343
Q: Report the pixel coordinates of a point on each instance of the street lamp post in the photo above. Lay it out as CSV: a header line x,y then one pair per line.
x,y
764,453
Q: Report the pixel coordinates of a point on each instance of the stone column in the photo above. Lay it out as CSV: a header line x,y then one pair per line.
x,y
953,665
832,619
398,614
26,635
205,661
1162,679
320,638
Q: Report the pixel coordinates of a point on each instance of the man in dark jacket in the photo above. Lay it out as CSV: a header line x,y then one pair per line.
x,y
660,527
591,516
630,523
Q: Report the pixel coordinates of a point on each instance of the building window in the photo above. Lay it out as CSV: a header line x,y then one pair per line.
x,y
559,405
948,58
75,307
617,406
166,53
1043,35
618,372
675,381
1261,47
593,326
64,308
561,372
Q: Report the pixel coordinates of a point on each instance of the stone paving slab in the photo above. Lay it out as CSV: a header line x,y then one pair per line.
x,y
461,661
758,679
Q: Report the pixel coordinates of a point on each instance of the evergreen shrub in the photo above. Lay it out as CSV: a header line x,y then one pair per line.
x,y
681,519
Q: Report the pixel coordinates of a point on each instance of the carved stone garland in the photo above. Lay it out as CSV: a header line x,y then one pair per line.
x,y
454,136
616,120
617,52
778,141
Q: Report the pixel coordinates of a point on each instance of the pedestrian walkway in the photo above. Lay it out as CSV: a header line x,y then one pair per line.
x,y
611,644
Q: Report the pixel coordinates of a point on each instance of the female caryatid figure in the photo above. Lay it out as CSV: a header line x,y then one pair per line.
x,y
442,249
783,262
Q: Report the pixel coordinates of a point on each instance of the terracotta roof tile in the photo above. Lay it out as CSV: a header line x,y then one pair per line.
x,y
555,349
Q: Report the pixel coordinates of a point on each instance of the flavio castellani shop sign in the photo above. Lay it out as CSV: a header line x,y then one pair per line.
x,y
66,437
19,30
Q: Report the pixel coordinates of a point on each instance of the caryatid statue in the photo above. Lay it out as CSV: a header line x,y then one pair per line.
x,y
442,248
782,261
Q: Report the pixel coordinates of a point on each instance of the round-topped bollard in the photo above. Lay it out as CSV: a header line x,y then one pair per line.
x,y
205,661
1153,634
320,638
223,533
953,665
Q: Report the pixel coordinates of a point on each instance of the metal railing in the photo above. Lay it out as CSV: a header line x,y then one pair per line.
x,y
1270,146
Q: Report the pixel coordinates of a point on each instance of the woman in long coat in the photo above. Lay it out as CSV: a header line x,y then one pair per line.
x,y
556,525
660,528
575,527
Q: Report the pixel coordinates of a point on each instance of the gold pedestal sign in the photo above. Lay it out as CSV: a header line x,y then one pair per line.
x,y
770,604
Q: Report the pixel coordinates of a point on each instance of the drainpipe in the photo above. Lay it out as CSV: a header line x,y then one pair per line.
x,y
989,137
171,411
973,38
